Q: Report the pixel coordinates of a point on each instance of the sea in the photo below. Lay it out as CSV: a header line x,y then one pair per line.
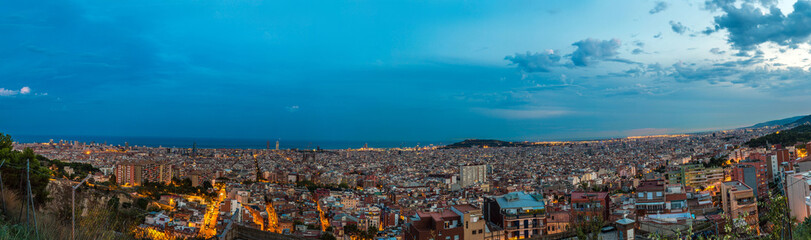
x,y
228,143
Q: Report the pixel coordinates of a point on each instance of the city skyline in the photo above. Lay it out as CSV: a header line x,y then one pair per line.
x,y
395,71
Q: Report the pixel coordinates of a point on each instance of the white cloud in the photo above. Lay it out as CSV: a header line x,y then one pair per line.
x,y
8,92
292,108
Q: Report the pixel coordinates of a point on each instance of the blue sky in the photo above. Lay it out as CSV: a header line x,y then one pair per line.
x,y
400,70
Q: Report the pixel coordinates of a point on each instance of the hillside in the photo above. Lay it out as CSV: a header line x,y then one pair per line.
x,y
782,121
803,120
789,137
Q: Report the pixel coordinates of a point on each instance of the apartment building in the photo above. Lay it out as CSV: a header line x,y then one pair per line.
x,y
520,214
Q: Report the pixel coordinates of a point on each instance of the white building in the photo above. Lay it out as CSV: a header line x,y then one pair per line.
x,y
798,187
472,174
157,219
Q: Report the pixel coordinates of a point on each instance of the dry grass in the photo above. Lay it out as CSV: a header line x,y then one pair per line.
x,y
97,223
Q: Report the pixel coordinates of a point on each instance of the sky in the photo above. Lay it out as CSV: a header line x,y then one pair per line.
x,y
400,70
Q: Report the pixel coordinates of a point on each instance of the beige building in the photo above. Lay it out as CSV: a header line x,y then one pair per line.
x,y
701,177
738,201
473,221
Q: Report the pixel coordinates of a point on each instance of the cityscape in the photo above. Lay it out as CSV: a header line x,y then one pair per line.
x,y
405,120
637,187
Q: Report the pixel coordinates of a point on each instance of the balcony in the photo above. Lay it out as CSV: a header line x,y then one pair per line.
x,y
533,214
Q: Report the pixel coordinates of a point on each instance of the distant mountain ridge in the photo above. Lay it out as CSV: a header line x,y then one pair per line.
x,y
794,122
786,121
485,143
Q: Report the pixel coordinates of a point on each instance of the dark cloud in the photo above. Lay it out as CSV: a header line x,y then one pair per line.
x,y
742,54
710,30
717,51
684,72
749,26
622,60
741,63
638,89
633,72
658,35
714,5
589,50
677,27
748,72
660,6
534,62
637,51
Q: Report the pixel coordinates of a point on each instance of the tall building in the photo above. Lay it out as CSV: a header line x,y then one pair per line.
x,y
472,174
135,173
775,163
128,174
520,214
754,174
738,200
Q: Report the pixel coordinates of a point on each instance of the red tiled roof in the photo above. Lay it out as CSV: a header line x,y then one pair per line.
x,y
587,195
676,197
465,208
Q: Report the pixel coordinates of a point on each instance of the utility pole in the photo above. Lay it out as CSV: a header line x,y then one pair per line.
x,y
31,196
27,217
73,216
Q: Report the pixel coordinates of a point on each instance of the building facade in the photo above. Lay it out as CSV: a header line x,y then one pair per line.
x,y
739,202
798,190
472,174
520,214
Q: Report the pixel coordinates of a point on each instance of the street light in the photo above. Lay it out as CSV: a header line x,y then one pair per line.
x,y
73,216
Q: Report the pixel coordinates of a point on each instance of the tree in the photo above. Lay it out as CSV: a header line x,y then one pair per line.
x,y
327,236
371,232
207,185
15,174
113,180
589,229
186,183
142,203
774,220
113,203
803,230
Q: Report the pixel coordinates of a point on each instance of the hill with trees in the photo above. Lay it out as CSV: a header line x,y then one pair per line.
x,y
789,137
783,121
